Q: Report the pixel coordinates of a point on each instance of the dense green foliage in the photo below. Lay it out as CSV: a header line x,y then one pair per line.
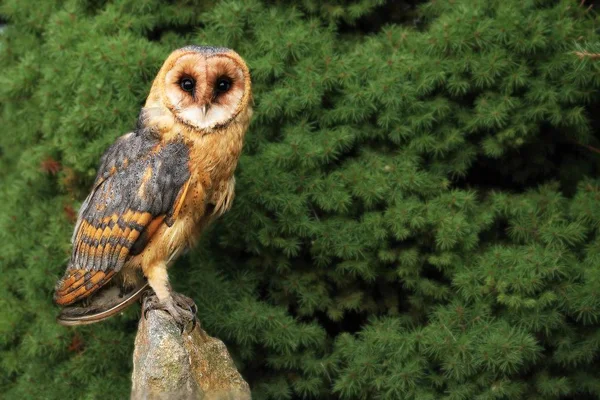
x,y
417,205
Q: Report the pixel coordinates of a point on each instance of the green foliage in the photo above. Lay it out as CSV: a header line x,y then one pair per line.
x,y
417,206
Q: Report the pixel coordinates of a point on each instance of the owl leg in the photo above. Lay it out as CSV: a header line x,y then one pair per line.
x,y
180,307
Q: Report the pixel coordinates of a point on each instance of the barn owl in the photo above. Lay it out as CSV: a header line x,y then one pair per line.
x,y
159,186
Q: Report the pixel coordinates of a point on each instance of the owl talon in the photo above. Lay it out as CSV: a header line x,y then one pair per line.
x,y
184,303
149,302
181,308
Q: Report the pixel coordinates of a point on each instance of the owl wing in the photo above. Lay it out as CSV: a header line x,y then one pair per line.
x,y
141,184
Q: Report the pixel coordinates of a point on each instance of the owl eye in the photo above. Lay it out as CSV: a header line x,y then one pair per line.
x,y
187,84
223,85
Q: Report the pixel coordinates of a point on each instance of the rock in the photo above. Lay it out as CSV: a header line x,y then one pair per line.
x,y
192,365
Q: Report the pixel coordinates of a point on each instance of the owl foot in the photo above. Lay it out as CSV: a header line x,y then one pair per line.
x,y
181,308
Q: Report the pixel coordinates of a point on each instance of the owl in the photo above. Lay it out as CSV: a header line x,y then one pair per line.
x,y
158,187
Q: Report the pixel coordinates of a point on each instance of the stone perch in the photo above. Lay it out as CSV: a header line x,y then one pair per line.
x,y
170,365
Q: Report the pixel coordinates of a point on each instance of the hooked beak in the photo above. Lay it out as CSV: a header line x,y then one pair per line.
x,y
204,109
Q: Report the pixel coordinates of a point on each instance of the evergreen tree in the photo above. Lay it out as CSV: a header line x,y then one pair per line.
x,y
417,206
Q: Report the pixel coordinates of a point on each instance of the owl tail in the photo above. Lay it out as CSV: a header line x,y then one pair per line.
x,y
78,284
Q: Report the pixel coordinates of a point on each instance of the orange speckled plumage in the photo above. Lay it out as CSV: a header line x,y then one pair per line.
x,y
159,186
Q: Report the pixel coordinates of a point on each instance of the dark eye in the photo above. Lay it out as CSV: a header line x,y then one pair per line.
x,y
223,85
187,84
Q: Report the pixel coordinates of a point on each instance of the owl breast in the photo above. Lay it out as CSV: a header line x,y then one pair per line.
x,y
208,194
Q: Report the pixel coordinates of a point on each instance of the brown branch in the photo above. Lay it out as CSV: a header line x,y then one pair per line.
x,y
587,54
595,150
587,146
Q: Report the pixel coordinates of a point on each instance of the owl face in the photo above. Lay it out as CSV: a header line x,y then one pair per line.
x,y
204,87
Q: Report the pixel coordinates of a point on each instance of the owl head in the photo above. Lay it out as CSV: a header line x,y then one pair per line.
x,y
203,87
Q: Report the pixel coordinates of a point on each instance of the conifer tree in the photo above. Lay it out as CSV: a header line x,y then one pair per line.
x,y
417,206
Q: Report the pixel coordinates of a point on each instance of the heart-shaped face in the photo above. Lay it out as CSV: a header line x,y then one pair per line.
x,y
204,87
